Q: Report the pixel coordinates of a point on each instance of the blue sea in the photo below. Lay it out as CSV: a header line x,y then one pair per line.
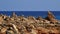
x,y
32,13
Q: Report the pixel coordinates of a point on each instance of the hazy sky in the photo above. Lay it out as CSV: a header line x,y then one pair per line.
x,y
29,5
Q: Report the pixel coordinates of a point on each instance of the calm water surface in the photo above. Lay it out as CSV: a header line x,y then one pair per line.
x,y
32,13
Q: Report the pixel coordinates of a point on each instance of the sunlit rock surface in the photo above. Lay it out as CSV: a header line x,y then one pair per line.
x,y
51,17
29,25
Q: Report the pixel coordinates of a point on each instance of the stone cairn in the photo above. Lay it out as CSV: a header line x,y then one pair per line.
x,y
29,25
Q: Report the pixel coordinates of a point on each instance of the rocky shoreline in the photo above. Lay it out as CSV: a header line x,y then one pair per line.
x,y
29,25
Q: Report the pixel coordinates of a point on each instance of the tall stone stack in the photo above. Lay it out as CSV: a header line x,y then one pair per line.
x,y
51,17
14,14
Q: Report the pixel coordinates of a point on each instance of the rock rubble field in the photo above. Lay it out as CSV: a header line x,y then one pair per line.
x,y
29,25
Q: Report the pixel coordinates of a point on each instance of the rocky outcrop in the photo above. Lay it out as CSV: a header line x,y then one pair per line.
x,y
28,25
14,14
51,17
